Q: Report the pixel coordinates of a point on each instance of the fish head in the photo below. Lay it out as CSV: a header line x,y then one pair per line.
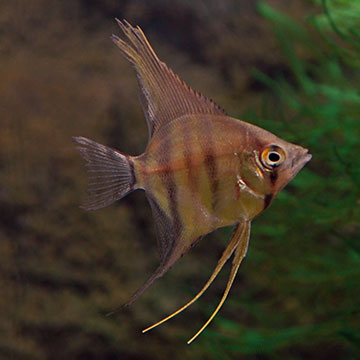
x,y
281,162
270,163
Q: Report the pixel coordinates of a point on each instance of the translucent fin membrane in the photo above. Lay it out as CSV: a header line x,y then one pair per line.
x,y
164,95
111,174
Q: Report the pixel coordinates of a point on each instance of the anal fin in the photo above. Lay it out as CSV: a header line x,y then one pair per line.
x,y
171,243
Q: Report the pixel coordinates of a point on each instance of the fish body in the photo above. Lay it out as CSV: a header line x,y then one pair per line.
x,y
201,169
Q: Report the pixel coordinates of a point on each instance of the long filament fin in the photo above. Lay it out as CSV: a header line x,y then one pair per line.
x,y
224,257
242,234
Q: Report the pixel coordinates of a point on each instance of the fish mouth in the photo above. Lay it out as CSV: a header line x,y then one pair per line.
x,y
307,156
300,160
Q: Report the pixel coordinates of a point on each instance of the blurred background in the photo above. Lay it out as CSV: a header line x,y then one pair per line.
x,y
289,66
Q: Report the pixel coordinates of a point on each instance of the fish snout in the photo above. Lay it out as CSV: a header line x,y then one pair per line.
x,y
301,156
306,155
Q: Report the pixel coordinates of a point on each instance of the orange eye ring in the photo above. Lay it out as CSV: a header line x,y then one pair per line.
x,y
272,156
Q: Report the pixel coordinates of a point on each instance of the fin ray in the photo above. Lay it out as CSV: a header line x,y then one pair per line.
x,y
165,233
110,168
171,247
164,266
164,95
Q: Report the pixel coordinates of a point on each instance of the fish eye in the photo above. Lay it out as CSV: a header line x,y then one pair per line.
x,y
272,156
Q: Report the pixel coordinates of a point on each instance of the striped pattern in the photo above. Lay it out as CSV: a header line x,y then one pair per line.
x,y
132,179
193,179
169,184
210,163
267,200
188,151
201,169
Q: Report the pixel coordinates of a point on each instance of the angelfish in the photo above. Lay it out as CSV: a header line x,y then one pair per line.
x,y
201,169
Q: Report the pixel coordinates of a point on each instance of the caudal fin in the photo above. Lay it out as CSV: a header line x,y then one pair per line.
x,y
111,174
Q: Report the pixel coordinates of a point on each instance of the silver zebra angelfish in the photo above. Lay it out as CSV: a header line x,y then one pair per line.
x,y
201,169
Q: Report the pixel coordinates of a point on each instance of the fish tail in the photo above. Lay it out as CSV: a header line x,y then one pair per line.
x,y
111,173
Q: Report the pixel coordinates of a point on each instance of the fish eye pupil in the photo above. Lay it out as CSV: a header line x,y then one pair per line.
x,y
274,157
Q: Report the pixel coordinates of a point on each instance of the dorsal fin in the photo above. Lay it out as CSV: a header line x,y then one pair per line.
x,y
164,95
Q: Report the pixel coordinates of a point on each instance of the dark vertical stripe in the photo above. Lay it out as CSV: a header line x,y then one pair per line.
x,y
188,154
273,176
210,162
192,173
132,171
267,200
211,169
168,180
